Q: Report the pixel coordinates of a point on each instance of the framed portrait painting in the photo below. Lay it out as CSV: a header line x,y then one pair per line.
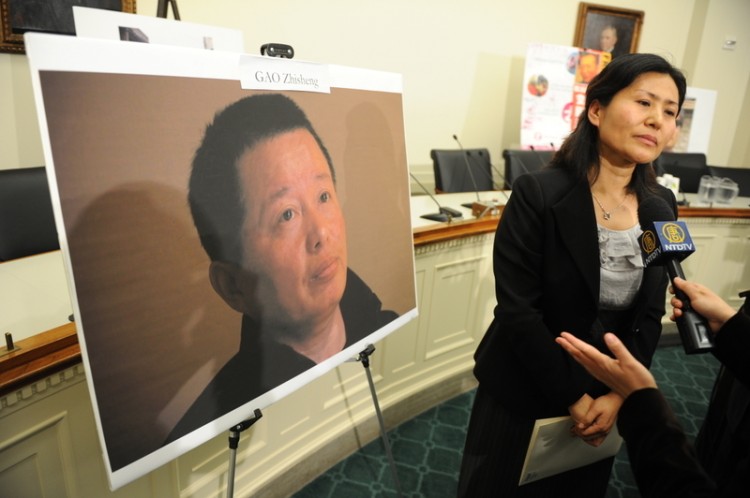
x,y
51,16
610,29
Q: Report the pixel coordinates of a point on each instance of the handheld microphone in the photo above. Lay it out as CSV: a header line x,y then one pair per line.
x,y
666,243
444,213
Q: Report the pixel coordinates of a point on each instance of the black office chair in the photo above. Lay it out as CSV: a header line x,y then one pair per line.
x,y
740,175
467,170
27,225
689,167
519,162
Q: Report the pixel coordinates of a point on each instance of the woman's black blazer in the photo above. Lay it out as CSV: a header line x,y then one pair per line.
x,y
547,274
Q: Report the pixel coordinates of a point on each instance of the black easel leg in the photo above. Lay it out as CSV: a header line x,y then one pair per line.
x,y
364,357
234,442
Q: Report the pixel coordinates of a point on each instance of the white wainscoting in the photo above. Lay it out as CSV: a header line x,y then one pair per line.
x,y
48,440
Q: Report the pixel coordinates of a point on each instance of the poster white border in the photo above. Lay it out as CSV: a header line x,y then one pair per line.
x,y
63,53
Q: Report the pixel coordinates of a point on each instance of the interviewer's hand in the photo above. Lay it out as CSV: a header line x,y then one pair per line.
x,y
710,306
623,374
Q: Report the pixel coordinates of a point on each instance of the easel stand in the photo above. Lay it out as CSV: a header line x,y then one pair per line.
x,y
234,441
163,5
364,357
234,432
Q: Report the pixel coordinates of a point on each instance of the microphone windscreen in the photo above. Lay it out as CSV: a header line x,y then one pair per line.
x,y
654,208
664,239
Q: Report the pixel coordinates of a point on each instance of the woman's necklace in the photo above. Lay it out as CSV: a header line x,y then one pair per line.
x,y
608,214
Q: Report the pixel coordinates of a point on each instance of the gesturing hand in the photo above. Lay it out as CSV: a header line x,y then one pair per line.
x,y
623,374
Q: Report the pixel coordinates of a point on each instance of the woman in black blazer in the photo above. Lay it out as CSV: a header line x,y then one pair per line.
x,y
566,258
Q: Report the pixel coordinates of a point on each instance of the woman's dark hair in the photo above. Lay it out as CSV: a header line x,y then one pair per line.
x,y
580,151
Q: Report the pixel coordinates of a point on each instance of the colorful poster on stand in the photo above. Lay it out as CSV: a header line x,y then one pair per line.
x,y
555,81
694,122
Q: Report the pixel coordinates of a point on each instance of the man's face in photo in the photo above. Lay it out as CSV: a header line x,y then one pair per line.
x,y
294,236
587,67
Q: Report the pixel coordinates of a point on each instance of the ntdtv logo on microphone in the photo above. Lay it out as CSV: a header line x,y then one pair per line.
x,y
666,238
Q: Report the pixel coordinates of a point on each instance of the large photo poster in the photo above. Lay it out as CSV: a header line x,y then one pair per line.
x,y
225,246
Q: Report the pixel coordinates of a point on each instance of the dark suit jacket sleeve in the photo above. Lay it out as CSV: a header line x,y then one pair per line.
x,y
663,461
732,347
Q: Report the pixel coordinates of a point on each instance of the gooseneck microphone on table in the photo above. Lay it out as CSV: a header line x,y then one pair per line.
x,y
501,189
476,159
683,198
444,213
522,164
538,156
471,173
488,175
673,165
665,242
480,208
502,177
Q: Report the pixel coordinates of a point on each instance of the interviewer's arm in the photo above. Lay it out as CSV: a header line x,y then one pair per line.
x,y
732,329
732,347
663,461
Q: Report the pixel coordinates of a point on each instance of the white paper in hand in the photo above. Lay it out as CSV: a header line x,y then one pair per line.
x,y
553,450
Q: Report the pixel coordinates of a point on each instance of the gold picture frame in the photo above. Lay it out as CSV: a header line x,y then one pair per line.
x,y
624,24
53,16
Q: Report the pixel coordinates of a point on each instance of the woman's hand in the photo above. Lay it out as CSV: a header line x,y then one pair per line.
x,y
580,408
594,427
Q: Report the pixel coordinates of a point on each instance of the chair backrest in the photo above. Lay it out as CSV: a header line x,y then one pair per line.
x,y
467,170
739,175
27,225
519,162
689,167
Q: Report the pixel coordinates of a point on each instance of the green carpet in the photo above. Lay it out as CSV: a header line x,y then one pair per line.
x,y
427,449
